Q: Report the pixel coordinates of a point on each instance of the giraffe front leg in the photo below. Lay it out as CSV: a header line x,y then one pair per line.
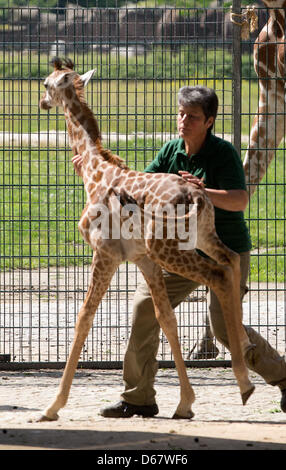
x,y
268,129
83,325
167,321
103,268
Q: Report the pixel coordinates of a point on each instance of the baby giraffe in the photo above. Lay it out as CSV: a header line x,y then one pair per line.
x,y
111,190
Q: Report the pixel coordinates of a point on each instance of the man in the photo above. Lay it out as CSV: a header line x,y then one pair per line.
x,y
213,164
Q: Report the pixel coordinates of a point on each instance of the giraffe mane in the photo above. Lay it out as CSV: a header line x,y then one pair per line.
x,y
111,157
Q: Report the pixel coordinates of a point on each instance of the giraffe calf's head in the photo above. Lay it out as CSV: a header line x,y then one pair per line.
x,y
59,80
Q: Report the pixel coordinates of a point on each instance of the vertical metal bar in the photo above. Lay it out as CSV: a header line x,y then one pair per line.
x,y
236,82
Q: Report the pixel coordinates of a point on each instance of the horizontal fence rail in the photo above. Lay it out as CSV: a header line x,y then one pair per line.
x,y
142,56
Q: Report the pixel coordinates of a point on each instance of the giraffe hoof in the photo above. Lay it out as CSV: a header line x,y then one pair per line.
x,y
177,416
247,394
44,418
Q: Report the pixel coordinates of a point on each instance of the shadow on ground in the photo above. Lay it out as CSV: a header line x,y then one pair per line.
x,y
54,439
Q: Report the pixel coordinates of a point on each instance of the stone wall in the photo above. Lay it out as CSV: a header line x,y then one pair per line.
x,y
81,28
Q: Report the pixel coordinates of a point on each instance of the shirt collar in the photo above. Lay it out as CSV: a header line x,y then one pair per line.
x,y
206,147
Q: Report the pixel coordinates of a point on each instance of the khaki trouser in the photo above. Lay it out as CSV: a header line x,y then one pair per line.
x,y
140,364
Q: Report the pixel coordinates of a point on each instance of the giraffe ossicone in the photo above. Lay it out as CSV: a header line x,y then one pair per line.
x,y
109,181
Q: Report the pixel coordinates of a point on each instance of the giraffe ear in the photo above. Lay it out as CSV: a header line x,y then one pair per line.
x,y
65,79
87,76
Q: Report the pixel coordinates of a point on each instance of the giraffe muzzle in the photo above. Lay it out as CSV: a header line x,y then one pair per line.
x,y
44,105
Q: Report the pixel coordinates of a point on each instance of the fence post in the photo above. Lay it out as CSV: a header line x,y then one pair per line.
x,y
236,78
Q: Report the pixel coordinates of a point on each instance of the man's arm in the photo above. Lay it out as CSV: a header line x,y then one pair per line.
x,y
230,200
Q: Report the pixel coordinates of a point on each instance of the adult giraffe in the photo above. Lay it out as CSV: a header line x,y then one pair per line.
x,y
269,125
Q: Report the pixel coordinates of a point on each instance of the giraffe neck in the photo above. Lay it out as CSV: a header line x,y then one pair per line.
x,y
278,16
275,4
84,132
268,126
81,124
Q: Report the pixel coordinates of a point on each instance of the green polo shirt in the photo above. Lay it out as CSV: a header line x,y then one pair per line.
x,y
219,165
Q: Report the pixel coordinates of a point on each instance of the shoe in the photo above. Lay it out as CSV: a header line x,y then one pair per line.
x,y
207,350
283,400
126,410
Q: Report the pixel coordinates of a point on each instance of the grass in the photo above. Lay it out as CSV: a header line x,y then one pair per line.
x,y
40,197
267,209
266,215
138,93
122,107
158,62
41,200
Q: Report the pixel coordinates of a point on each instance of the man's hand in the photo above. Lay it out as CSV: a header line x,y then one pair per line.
x,y
77,163
232,200
192,179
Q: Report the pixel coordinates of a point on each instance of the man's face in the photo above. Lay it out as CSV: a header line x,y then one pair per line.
x,y
192,123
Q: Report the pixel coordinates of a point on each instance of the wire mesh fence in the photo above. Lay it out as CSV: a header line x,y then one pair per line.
x,y
142,56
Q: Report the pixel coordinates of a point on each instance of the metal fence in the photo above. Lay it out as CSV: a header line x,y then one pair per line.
x,y
142,56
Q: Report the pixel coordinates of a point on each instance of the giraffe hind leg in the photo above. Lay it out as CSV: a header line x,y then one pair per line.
x,y
167,320
224,256
221,280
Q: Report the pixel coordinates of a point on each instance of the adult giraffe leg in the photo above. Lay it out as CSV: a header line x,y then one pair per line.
x,y
101,275
167,321
268,129
221,280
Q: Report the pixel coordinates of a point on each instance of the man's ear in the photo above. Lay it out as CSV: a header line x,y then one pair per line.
x,y
87,76
210,121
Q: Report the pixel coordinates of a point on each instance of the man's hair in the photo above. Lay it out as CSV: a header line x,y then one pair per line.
x,y
199,96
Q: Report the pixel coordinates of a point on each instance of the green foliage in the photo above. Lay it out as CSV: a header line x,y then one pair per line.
x,y
25,3
116,3
161,63
61,3
41,203
42,199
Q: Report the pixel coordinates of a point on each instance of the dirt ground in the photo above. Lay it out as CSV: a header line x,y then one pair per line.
x,y
220,422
